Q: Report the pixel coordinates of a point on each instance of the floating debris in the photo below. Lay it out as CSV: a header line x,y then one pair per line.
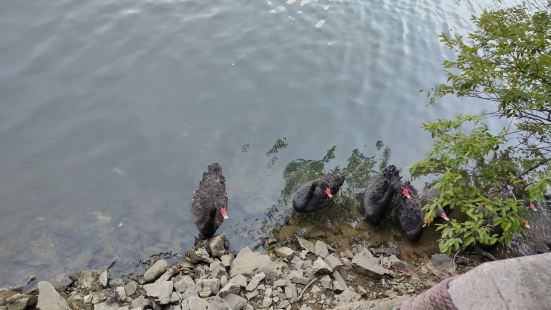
x,y
326,7
320,23
291,1
304,2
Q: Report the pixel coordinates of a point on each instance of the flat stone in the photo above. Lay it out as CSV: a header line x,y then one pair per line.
x,y
106,306
229,288
104,278
235,302
316,289
160,291
321,249
155,271
198,256
252,294
326,282
266,302
334,262
279,282
206,292
167,275
255,281
212,284
186,287
366,263
339,285
321,267
120,292
49,298
240,280
217,303
347,296
20,301
307,245
441,263
516,283
217,245
284,252
217,270
226,260
140,302
130,288
297,262
247,262
291,291
297,277
197,303
174,298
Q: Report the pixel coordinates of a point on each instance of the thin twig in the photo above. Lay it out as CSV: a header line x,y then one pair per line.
x,y
307,286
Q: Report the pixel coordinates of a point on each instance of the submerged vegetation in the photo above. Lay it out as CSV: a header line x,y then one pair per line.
x,y
491,179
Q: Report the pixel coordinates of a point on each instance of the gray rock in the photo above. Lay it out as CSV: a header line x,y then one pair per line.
x,y
516,283
167,275
130,288
206,292
174,298
291,291
140,302
120,292
366,263
266,302
347,296
235,302
297,277
20,301
198,256
284,252
160,291
297,262
255,281
326,282
226,260
49,298
321,267
339,285
155,271
217,270
315,289
252,294
321,249
90,279
229,288
393,262
334,262
217,303
106,306
197,303
441,263
307,245
217,245
104,278
186,287
212,284
280,282
223,280
240,280
247,262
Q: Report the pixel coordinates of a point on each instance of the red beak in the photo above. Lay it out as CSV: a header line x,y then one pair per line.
x,y
224,212
533,207
445,216
328,192
405,192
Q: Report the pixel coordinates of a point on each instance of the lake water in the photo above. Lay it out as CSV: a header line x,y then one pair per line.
x,y
110,111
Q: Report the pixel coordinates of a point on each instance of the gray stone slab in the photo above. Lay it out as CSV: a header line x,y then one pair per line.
x,y
517,283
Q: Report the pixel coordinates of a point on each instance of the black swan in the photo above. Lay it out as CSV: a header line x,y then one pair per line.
x,y
378,195
209,204
408,211
318,194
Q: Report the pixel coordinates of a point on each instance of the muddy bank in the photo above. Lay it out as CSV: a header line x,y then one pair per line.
x,y
314,273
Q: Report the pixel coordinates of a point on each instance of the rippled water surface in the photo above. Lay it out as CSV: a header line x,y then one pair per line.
x,y
110,111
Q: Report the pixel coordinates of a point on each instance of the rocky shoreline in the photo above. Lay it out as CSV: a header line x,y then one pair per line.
x,y
300,274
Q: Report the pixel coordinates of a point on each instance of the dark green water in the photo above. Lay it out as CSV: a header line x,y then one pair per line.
x,y
110,111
